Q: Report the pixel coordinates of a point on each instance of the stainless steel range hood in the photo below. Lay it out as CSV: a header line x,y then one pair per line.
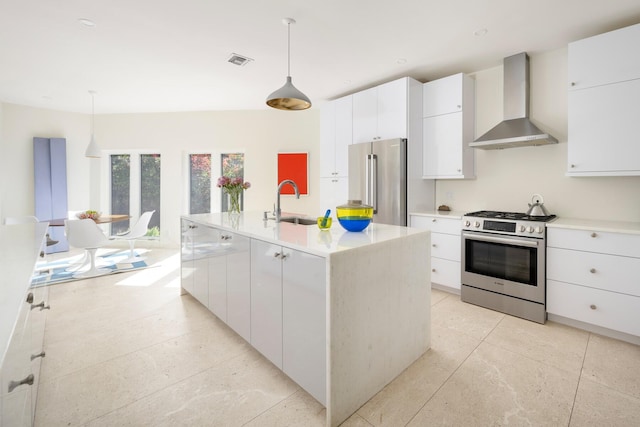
x,y
516,130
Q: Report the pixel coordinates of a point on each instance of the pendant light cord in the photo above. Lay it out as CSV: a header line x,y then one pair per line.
x,y
289,49
93,115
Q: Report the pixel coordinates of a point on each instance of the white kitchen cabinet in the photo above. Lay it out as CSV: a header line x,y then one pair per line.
x,y
448,128
238,284
335,192
335,137
604,85
592,277
604,58
445,247
381,112
304,321
21,333
266,300
230,282
288,306
199,243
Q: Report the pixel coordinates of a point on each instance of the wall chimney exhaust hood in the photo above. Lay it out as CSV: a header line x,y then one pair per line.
x,y
516,130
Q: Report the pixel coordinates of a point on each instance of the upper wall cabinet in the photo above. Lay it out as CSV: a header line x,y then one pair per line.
x,y
335,137
381,112
448,128
604,88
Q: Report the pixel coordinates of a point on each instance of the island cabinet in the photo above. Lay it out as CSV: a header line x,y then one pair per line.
x,y
448,128
445,247
198,243
230,282
604,86
335,137
23,308
288,313
381,112
341,313
592,277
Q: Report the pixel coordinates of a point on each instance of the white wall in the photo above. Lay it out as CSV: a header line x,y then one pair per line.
x,y
507,178
260,134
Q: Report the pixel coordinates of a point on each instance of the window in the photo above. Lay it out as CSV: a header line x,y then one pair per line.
x,y
202,184
135,188
231,165
199,183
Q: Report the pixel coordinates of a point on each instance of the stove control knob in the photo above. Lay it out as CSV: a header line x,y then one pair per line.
x,y
467,223
523,228
530,230
476,224
540,230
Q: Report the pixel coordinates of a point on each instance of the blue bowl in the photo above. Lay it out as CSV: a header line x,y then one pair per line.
x,y
354,223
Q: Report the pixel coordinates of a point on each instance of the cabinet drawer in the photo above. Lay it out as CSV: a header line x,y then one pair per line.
x,y
594,241
607,309
445,272
437,224
445,246
607,272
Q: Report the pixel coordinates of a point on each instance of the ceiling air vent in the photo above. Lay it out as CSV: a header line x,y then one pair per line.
x,y
239,59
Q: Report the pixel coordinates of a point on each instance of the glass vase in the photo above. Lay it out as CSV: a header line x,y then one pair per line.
x,y
234,203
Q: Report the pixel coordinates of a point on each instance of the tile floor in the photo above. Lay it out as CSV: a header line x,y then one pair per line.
x,y
128,350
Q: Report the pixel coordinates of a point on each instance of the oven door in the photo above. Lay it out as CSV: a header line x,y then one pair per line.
x,y
508,265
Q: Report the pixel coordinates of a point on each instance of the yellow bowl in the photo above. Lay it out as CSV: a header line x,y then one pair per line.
x,y
326,226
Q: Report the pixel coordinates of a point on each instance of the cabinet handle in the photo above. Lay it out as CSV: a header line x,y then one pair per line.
x,y
433,270
594,234
41,305
277,255
458,106
433,245
284,256
14,384
572,166
593,271
573,83
30,298
35,356
593,307
433,220
225,237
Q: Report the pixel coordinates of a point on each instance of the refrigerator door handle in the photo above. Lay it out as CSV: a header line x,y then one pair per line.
x,y
367,180
374,183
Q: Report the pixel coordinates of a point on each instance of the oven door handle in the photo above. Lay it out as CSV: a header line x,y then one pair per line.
x,y
531,243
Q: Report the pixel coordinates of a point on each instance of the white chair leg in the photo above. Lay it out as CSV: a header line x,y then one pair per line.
x,y
132,256
131,243
93,270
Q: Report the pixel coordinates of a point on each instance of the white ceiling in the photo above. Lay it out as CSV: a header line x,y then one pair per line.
x,y
171,55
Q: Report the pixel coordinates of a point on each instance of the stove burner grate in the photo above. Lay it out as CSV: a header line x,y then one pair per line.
x,y
514,216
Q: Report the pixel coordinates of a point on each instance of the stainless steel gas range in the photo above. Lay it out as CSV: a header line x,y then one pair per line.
x,y
504,262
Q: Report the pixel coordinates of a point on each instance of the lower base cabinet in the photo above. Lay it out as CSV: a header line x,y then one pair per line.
x,y
304,344
288,313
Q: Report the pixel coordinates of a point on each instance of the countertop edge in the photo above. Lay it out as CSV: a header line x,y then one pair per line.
x,y
627,227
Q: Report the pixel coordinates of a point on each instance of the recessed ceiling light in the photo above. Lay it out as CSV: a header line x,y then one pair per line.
x,y
86,22
401,61
481,32
239,59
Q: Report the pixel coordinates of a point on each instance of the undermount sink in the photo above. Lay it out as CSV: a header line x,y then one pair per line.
x,y
298,220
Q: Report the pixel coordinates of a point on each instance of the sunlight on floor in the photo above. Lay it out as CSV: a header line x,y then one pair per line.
x,y
165,272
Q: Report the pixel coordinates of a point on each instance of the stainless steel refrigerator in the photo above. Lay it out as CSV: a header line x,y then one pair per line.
x,y
378,177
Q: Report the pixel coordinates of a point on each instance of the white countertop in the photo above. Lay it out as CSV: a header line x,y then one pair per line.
x,y
596,225
307,238
442,214
19,250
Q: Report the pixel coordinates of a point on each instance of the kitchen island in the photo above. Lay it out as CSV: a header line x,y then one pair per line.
x,y
341,313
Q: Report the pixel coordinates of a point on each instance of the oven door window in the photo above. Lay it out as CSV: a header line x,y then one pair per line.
x,y
508,262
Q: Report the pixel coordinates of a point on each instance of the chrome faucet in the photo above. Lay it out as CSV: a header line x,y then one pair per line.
x,y
278,212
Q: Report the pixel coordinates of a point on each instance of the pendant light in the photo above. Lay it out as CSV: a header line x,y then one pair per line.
x,y
288,97
93,150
